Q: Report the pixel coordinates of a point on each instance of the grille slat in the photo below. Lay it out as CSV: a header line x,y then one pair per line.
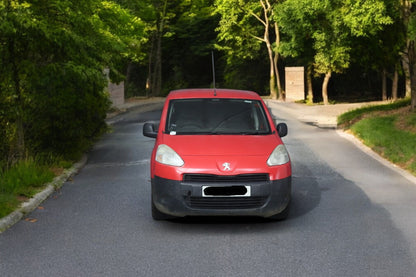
x,y
226,202
209,178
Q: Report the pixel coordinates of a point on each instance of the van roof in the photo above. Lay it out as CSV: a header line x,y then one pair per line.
x,y
212,93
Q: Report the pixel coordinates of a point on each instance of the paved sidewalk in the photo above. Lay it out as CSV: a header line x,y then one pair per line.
x,y
319,115
134,103
146,104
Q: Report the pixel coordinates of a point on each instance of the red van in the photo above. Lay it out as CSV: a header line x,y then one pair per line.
x,y
218,153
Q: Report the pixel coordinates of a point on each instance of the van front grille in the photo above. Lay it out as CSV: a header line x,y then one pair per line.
x,y
242,178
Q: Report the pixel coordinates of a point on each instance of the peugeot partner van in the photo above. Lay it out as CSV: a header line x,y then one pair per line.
x,y
218,152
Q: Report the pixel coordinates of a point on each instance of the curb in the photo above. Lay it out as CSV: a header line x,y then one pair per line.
x,y
30,205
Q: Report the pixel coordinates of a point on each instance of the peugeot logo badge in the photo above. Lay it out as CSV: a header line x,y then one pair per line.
x,y
226,166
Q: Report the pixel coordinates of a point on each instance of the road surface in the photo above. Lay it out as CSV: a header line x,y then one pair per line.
x,y
351,216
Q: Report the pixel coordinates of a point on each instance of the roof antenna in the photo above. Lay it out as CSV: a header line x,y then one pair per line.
x,y
213,72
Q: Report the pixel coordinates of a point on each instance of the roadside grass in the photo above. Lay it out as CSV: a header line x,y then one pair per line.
x,y
389,129
347,119
23,180
8,203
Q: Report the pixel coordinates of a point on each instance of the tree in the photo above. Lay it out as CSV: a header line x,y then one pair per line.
x,y
409,22
244,25
186,42
296,39
51,70
331,26
189,45
382,51
405,13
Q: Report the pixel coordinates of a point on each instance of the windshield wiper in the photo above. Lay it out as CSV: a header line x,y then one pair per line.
x,y
213,133
248,133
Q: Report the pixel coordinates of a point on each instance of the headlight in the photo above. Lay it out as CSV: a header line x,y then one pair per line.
x,y
279,156
168,156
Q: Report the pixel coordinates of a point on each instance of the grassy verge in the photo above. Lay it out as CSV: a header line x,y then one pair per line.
x,y
24,180
347,119
388,129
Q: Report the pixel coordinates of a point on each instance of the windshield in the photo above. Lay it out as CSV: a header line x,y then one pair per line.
x,y
216,116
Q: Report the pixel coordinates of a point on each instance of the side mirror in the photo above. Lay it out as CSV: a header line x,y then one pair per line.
x,y
149,130
282,129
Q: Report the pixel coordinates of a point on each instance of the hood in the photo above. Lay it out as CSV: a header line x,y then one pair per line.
x,y
222,145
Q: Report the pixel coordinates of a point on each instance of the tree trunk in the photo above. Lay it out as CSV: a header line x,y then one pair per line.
x,y
413,77
280,90
412,69
267,8
325,87
406,11
19,151
156,80
273,92
149,81
394,85
413,103
384,85
157,73
413,80
309,73
406,70
130,88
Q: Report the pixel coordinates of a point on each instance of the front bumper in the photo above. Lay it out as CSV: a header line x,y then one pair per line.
x,y
179,199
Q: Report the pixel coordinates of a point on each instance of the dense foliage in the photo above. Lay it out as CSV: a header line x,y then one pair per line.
x,y
52,86
329,29
351,50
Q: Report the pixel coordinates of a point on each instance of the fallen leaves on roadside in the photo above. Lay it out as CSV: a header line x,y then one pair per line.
x,y
31,220
57,194
41,208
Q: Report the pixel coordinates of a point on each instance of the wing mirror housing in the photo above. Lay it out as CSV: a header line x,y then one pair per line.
x,y
282,129
150,130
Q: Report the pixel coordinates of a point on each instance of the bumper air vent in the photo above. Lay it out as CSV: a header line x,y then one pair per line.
x,y
226,203
209,178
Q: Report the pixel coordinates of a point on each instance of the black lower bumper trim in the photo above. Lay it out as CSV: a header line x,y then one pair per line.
x,y
226,202
180,199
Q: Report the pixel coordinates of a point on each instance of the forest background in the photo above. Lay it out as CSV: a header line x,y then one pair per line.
x,y
53,54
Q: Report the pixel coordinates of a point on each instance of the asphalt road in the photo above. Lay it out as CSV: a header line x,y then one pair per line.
x,y
351,216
